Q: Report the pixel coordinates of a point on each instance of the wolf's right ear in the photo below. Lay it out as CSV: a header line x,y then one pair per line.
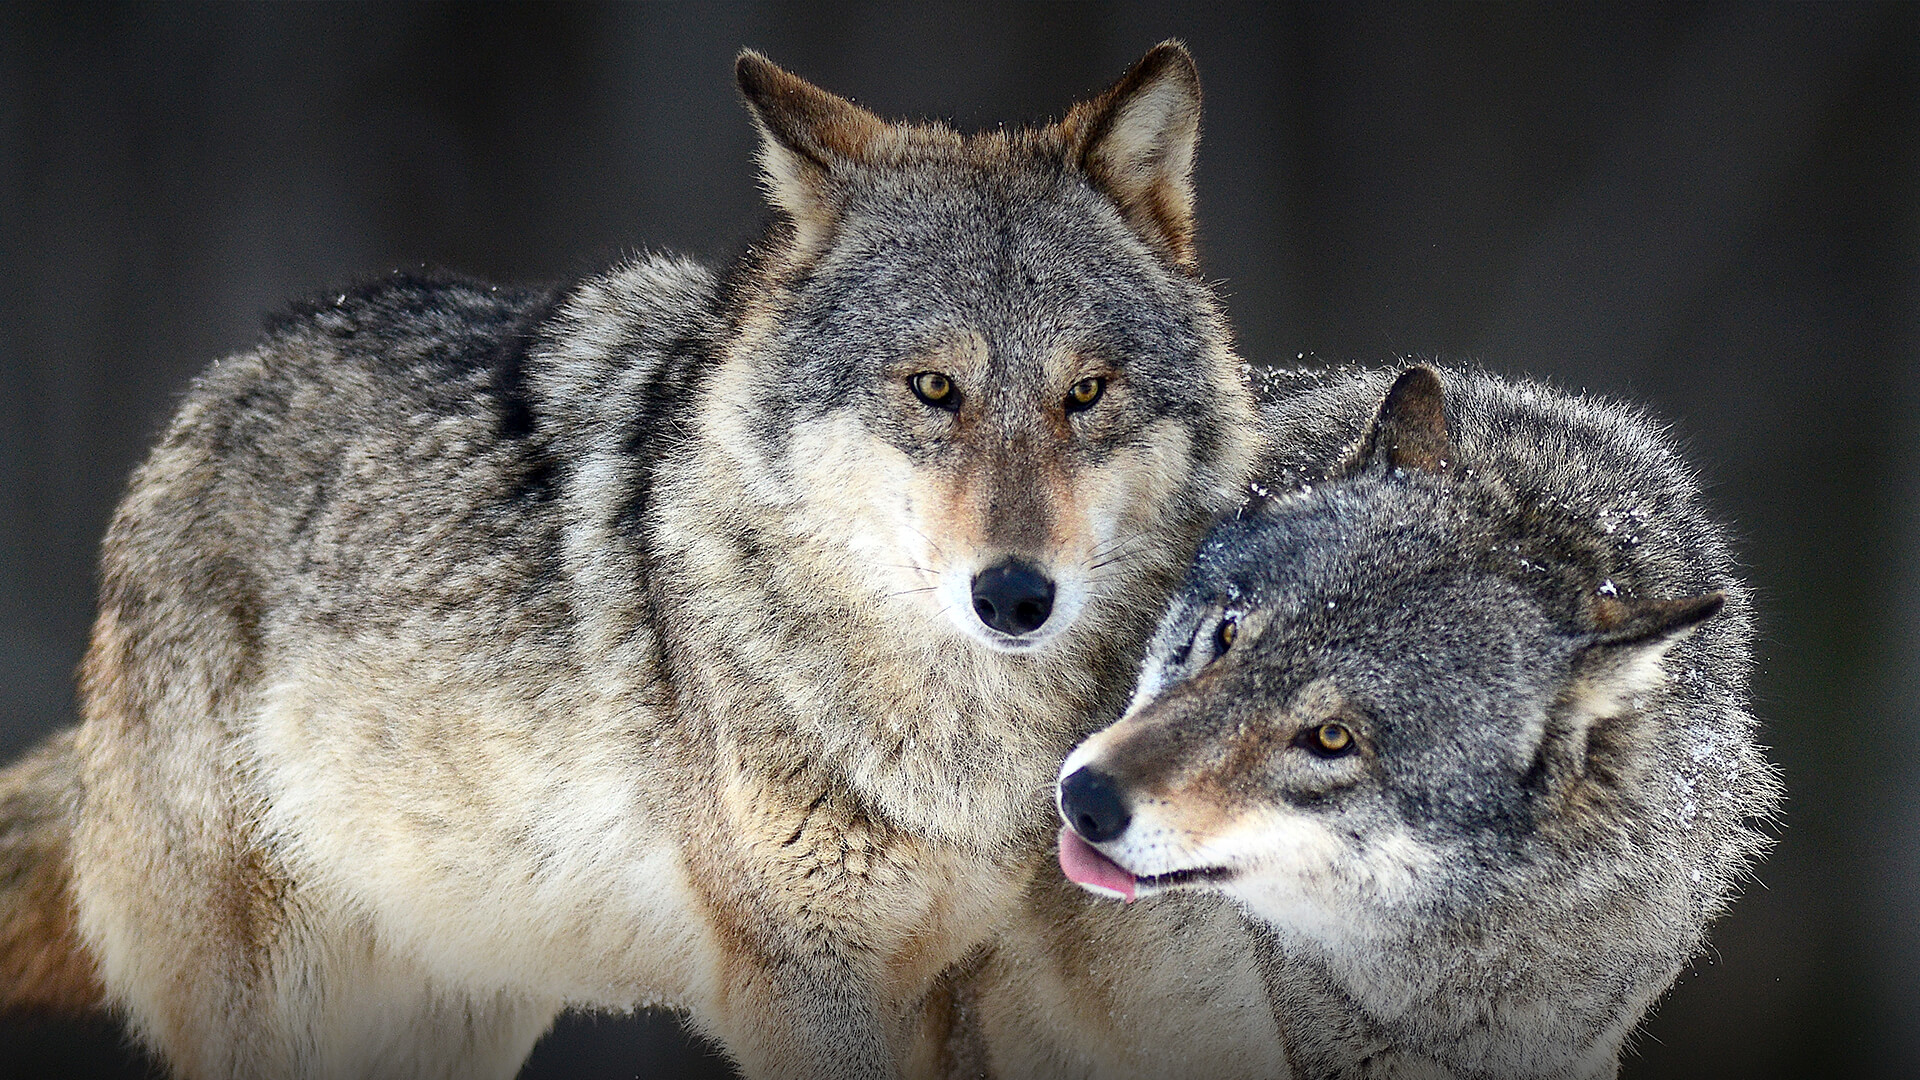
x,y
1410,430
1136,143
1620,660
806,135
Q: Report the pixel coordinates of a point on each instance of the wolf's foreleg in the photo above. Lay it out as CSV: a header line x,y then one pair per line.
x,y
829,927
804,1018
796,997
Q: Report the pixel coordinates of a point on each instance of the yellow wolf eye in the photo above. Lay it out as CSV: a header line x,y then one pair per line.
x,y
935,389
1224,636
1084,393
1332,739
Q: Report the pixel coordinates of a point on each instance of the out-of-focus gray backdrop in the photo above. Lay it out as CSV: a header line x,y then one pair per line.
x,y
1713,209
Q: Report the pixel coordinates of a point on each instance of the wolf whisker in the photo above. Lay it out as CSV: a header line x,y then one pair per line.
x,y
930,541
1124,548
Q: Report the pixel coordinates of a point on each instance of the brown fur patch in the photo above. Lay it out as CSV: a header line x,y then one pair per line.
x,y
1411,430
43,965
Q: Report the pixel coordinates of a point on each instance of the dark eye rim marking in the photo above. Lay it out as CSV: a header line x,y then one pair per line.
x,y
1329,739
935,388
1086,393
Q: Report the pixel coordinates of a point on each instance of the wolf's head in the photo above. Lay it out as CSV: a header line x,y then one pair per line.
x,y
1368,702
977,376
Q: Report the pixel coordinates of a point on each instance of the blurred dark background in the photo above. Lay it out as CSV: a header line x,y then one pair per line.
x,y
1714,209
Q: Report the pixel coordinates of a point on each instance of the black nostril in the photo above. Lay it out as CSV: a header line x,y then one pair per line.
x,y
1012,597
1091,803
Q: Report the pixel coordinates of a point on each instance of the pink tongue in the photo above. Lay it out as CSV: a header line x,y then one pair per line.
x,y
1082,864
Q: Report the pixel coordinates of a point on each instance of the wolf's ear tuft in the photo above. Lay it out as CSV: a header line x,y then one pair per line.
x,y
1620,660
806,135
1622,624
1136,142
1410,430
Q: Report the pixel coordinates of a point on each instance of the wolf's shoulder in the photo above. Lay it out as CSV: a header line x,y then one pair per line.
x,y
364,356
410,346
407,305
628,344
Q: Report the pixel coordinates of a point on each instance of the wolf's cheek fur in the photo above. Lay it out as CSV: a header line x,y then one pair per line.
x,y
853,492
1292,869
1302,872
1138,483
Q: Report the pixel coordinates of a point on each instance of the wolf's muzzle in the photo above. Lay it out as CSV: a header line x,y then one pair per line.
x,y
1012,597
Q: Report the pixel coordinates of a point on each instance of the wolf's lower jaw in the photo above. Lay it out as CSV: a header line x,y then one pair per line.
x,y
1014,644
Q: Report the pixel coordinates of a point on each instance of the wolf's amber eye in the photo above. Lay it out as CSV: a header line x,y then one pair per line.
x,y
1330,739
1223,637
935,389
1085,392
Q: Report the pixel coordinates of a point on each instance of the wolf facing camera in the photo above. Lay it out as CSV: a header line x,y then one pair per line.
x,y
675,637
1459,712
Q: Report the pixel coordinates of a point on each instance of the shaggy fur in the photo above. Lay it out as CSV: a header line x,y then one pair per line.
x,y
1457,708
467,654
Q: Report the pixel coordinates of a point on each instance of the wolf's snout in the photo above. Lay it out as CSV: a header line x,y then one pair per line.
x,y
1091,803
1012,597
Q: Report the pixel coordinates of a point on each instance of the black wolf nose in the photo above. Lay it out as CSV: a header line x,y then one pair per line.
x,y
1091,804
1012,597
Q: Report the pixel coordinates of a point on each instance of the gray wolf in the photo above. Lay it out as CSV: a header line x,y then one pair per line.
x,y
681,637
1458,711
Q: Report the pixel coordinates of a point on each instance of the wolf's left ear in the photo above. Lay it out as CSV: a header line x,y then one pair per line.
x,y
1619,661
1410,430
1136,142
806,135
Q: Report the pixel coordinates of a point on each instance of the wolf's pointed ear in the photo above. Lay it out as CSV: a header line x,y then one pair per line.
x,y
1410,431
806,135
1621,658
1136,142
1619,661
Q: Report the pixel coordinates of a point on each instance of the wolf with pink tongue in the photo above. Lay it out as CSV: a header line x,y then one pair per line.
x,y
1456,710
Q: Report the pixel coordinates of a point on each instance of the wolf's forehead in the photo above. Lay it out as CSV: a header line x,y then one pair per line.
x,y
1056,255
1329,584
